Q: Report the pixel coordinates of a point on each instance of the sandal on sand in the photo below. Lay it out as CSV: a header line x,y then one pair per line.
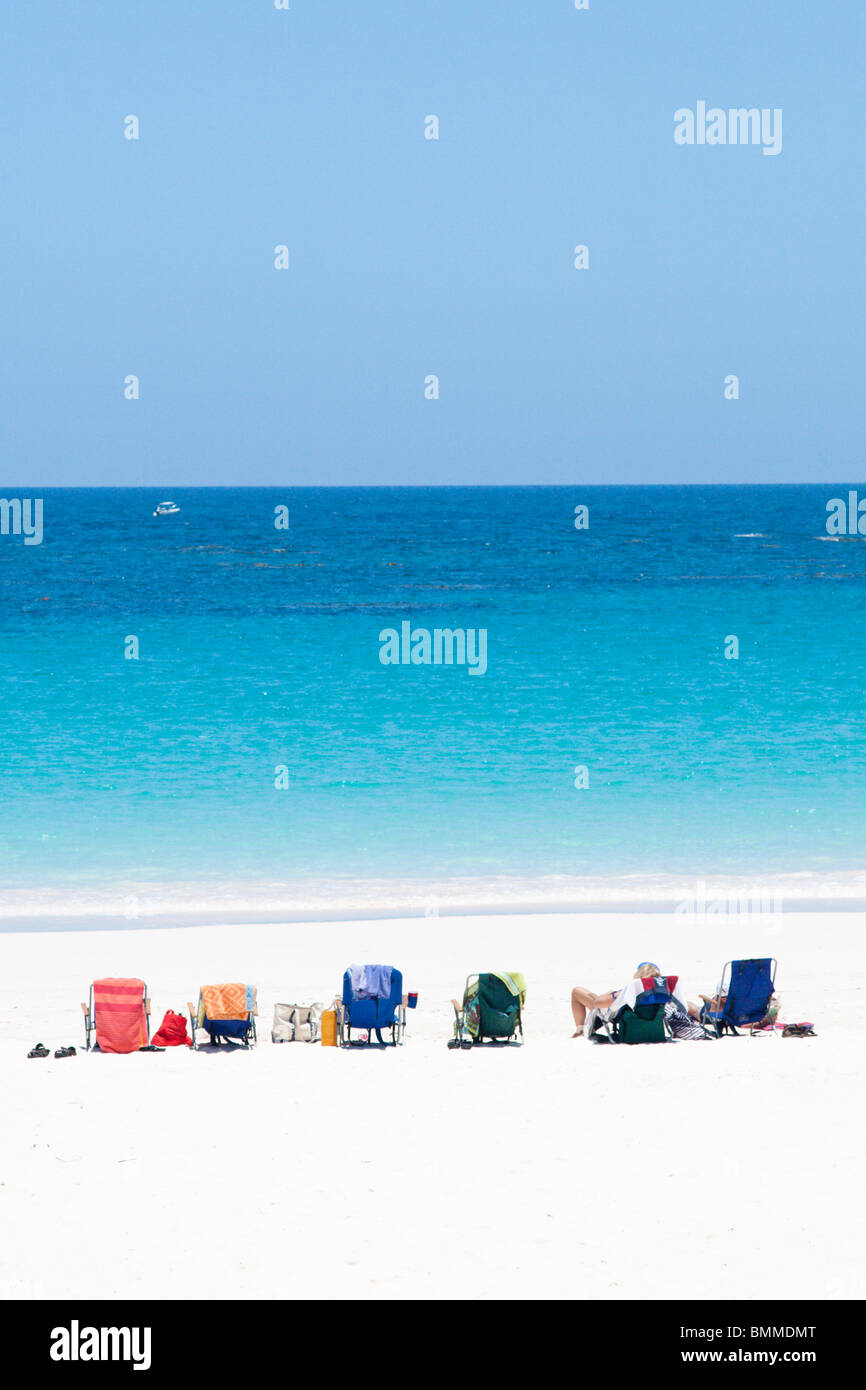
x,y
149,1047
39,1051
65,1052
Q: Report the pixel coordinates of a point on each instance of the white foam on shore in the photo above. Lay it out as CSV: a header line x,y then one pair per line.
x,y
135,904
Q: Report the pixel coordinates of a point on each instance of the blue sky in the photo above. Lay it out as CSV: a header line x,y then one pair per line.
x,y
412,256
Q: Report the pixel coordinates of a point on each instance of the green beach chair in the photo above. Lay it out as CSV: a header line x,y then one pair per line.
x,y
642,1020
492,1008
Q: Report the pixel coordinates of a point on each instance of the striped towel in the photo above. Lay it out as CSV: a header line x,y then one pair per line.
x,y
119,1015
683,1026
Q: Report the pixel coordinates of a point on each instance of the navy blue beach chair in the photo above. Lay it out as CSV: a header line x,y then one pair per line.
x,y
744,996
373,1015
227,1013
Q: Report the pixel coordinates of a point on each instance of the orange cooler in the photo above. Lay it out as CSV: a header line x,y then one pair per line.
x,y
329,1028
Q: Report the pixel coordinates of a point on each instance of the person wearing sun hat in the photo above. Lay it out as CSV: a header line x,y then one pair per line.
x,y
585,1001
647,970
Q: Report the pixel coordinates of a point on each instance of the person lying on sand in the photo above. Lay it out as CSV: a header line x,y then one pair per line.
x,y
584,1000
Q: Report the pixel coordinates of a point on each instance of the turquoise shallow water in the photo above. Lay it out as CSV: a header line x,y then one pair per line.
x,y
259,648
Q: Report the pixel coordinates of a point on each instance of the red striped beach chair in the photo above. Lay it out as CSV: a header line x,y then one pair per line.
x,y
117,1016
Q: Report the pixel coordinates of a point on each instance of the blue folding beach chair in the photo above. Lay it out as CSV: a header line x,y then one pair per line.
x,y
227,1013
743,997
373,1015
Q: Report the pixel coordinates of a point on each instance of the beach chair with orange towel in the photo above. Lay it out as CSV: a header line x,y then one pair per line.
x,y
227,1013
117,1016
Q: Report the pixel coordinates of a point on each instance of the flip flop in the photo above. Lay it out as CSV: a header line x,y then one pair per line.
x,y
150,1048
65,1052
39,1051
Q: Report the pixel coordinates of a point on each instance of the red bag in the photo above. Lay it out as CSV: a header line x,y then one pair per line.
x,y
172,1032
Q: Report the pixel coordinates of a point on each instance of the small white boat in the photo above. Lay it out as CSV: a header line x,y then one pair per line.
x,y
166,509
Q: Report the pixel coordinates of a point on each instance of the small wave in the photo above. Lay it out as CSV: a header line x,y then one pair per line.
x,y
131,904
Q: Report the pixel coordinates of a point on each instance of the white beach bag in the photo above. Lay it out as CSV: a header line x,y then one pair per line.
x,y
297,1023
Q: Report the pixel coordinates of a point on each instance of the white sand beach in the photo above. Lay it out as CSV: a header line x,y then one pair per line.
x,y
730,1169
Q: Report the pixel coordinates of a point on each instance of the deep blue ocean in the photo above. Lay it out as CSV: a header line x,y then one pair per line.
x,y
259,650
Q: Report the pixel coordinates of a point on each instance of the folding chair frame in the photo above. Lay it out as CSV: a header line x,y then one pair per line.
x,y
397,1029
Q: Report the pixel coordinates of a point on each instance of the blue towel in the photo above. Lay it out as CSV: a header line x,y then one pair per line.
x,y
378,985
358,978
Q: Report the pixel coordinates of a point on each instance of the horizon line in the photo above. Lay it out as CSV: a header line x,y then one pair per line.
x,y
386,487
